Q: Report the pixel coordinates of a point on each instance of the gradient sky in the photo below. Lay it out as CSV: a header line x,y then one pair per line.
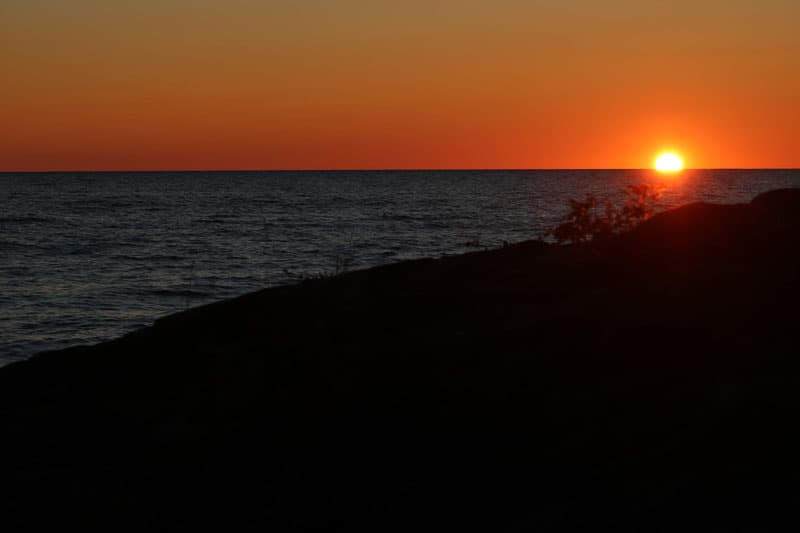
x,y
260,84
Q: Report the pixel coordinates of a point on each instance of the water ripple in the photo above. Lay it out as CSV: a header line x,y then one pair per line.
x,y
86,257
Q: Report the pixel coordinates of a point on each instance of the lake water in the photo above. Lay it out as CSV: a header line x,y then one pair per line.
x,y
86,257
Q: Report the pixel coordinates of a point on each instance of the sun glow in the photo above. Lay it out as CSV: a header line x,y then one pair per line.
x,y
669,162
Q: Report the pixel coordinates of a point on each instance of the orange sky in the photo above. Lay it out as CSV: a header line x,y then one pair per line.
x,y
260,84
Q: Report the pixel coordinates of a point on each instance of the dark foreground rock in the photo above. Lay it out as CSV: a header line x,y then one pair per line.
x,y
647,383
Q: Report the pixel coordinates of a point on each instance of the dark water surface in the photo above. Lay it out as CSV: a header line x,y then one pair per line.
x,y
86,257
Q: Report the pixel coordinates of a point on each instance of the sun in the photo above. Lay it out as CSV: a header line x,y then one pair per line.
x,y
669,162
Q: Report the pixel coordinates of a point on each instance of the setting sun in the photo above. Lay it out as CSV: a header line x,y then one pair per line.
x,y
669,162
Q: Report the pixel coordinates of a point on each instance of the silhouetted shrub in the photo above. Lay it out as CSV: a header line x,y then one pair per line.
x,y
598,218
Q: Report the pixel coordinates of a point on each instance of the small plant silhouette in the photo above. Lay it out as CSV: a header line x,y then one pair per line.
x,y
597,218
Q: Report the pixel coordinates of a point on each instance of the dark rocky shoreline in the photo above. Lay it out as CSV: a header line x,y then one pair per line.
x,y
649,382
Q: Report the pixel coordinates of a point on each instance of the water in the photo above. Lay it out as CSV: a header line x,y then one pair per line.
x,y
86,257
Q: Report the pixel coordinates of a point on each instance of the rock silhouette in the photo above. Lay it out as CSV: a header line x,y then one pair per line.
x,y
642,383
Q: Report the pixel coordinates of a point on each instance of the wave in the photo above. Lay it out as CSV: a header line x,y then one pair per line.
x,y
181,293
25,219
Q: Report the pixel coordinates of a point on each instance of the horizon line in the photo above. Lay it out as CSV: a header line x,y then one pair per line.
x,y
387,169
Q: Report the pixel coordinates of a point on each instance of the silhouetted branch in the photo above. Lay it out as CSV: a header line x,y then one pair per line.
x,y
595,218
